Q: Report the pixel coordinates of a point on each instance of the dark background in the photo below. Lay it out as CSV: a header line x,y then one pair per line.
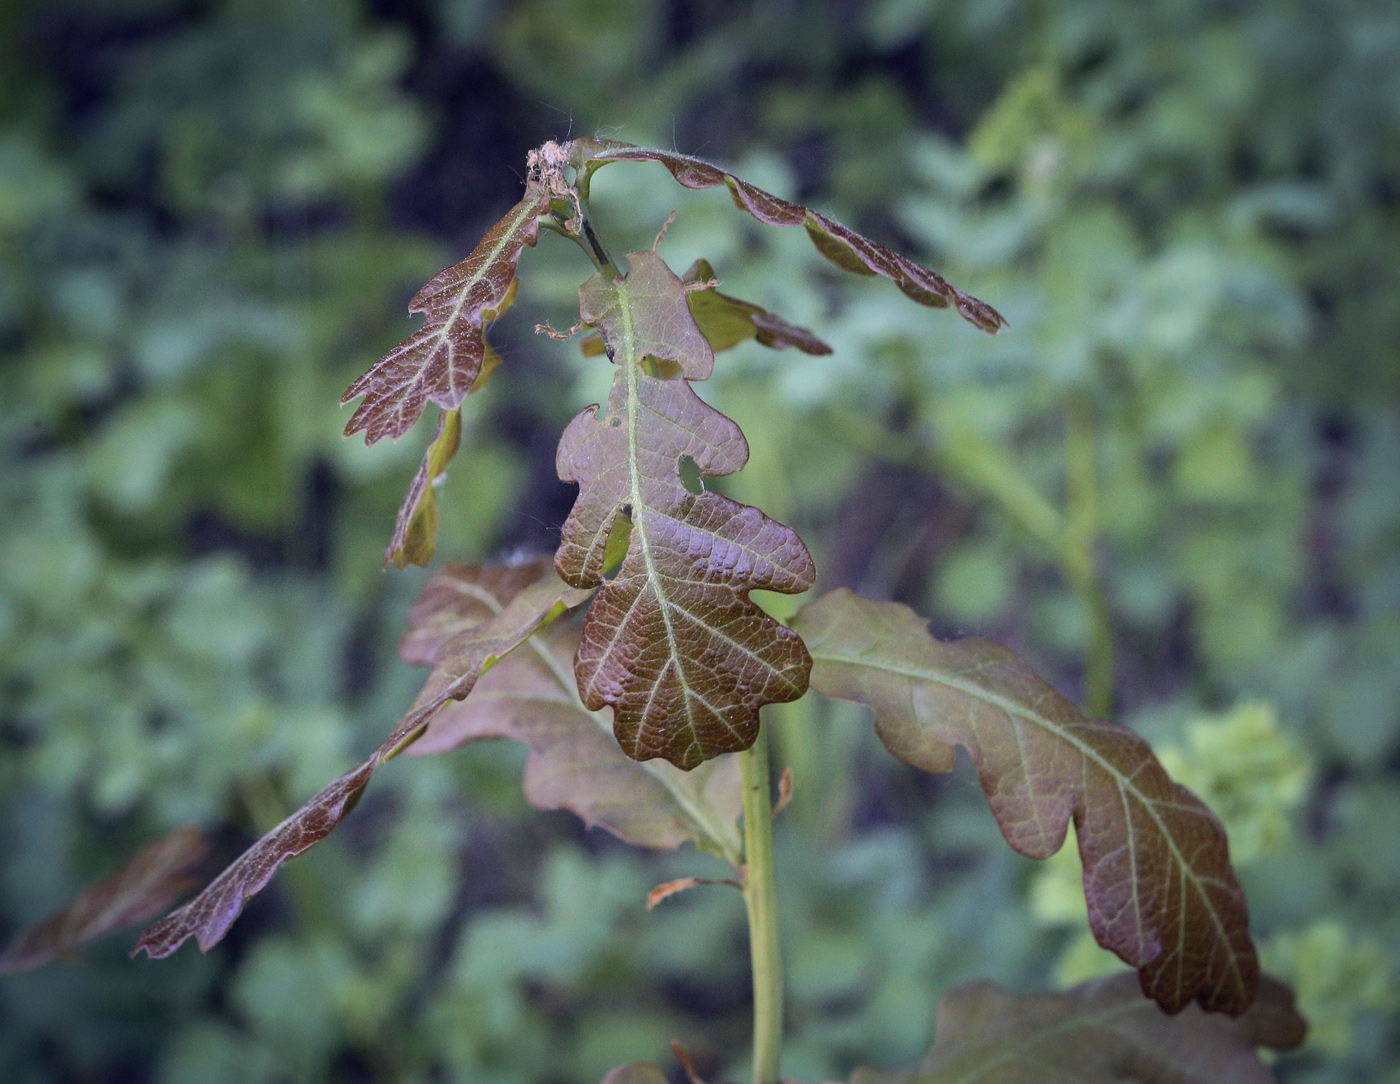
x,y
211,217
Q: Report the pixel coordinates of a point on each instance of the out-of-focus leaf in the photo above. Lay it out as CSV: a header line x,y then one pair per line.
x,y
415,531
575,762
1157,877
520,600
1101,1032
638,1072
672,643
141,887
446,359
843,247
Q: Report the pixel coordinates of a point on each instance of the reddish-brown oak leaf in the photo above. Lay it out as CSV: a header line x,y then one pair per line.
x,y
1101,1032
575,762
843,247
520,599
672,642
646,315
415,530
145,885
1157,874
448,357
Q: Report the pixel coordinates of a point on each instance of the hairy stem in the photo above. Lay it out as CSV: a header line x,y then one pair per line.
x,y
761,899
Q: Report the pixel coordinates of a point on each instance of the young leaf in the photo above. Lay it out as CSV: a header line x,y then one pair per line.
x,y
144,886
415,531
1102,1032
446,359
1157,876
843,247
726,321
520,599
576,764
672,643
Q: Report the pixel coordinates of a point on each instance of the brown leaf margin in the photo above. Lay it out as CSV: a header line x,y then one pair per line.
x,y
461,661
143,886
842,246
1096,1032
448,357
1167,903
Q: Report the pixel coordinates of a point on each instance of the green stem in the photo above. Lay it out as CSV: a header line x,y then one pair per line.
x,y
1079,558
761,899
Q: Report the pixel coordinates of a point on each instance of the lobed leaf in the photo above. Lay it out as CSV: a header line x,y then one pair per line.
x,y
673,642
575,762
1157,877
448,357
142,887
843,247
415,530
518,600
1101,1032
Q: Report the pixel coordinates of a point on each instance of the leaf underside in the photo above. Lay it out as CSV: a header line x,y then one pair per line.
x,y
518,601
575,762
142,887
1157,876
446,359
672,642
415,530
843,247
1101,1032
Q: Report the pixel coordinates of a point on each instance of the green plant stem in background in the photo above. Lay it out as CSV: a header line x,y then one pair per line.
x,y
1077,553
761,899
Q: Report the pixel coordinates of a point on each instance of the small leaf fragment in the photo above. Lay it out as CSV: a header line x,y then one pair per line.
x,y
575,762
1157,877
415,531
141,887
1101,1032
726,321
843,247
667,889
448,357
461,655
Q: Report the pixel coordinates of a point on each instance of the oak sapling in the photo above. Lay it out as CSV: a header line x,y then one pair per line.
x,y
634,665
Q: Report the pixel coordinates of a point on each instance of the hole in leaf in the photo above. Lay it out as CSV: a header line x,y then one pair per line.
x,y
691,478
619,536
614,422
661,367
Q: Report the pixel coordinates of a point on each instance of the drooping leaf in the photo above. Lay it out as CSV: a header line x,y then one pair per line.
x,y
1157,876
447,358
843,247
575,762
726,321
672,643
1101,1032
143,886
415,531
520,599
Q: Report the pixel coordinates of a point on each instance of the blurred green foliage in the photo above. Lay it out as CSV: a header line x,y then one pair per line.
x,y
210,216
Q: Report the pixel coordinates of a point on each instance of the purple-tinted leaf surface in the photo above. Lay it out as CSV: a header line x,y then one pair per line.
x,y
575,762
447,358
1157,874
519,599
843,247
143,886
1101,1032
672,642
